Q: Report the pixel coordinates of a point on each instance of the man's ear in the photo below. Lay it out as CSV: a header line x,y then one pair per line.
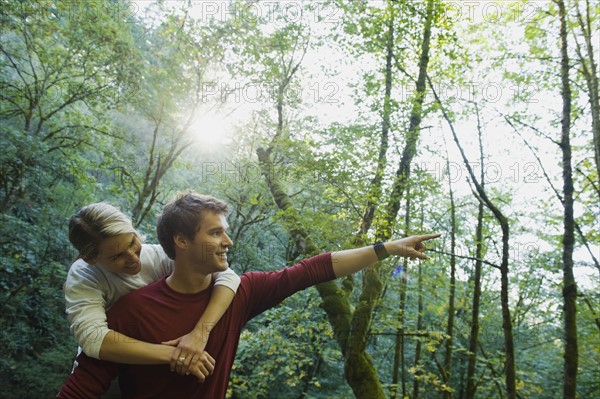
x,y
180,241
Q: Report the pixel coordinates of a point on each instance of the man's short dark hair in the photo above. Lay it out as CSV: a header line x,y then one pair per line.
x,y
183,216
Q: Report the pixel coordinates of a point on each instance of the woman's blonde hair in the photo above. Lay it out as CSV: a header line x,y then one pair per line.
x,y
94,223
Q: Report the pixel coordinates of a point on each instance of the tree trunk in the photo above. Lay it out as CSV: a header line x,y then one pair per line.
x,y
590,73
569,286
363,377
352,333
474,336
420,307
447,394
399,366
374,195
372,285
412,135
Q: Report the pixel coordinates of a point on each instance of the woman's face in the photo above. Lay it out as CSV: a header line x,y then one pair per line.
x,y
120,254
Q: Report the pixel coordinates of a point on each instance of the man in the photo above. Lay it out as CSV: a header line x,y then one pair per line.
x,y
193,231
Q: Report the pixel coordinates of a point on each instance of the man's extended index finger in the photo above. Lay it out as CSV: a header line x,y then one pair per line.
x,y
425,237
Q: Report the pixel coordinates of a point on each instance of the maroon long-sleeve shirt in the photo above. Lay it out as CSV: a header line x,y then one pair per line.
x,y
156,313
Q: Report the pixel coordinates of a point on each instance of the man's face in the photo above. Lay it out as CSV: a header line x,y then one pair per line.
x,y
210,245
120,254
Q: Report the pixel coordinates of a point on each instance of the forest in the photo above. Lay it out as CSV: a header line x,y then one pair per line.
x,y
325,125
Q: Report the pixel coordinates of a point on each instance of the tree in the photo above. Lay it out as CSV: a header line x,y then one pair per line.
x,y
63,65
474,333
589,70
55,94
351,328
509,366
569,284
447,367
179,53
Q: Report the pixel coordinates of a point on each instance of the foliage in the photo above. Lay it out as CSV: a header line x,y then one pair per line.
x,y
103,101
287,353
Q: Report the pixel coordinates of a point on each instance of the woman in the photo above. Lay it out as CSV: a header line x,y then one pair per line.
x,y
113,261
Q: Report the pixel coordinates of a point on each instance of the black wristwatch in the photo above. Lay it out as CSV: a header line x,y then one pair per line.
x,y
380,250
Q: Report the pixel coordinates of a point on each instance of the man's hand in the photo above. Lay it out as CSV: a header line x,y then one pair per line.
x,y
352,260
203,367
410,247
189,352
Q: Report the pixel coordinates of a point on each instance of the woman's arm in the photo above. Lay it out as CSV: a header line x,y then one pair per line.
x,y
119,348
85,307
191,346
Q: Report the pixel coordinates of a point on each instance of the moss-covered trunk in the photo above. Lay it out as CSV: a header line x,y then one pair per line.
x,y
372,285
362,377
399,371
351,328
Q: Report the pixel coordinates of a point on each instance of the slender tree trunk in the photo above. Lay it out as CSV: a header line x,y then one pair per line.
x,y
474,336
372,286
358,367
374,195
510,369
420,306
399,366
447,394
412,134
569,286
590,73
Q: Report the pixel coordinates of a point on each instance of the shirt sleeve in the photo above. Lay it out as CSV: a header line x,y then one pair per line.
x,y
161,263
90,379
85,307
228,278
264,290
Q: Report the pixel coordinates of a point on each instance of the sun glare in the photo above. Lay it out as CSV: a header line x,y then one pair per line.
x,y
211,129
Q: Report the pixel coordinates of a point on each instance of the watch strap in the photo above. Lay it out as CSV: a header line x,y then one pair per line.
x,y
380,250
